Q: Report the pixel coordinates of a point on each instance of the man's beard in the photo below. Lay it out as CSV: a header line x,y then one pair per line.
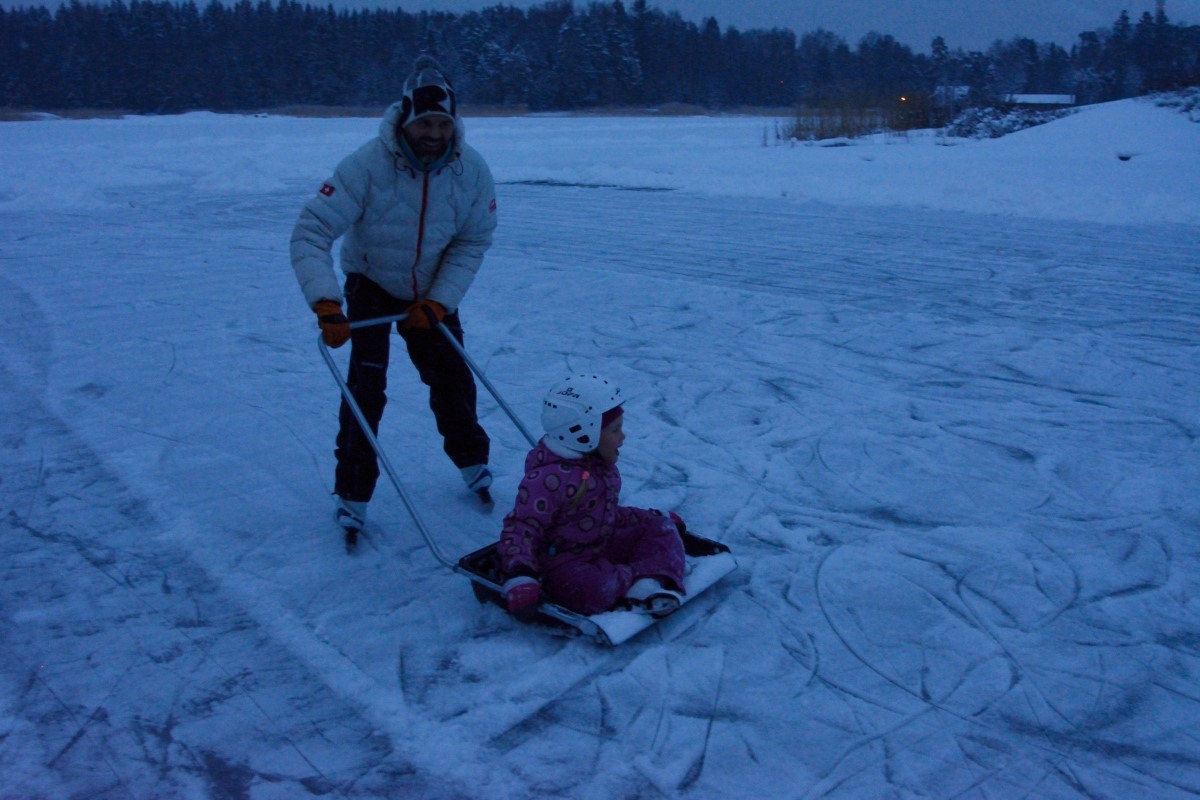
x,y
430,149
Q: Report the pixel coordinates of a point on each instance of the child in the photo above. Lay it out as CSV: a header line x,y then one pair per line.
x,y
567,537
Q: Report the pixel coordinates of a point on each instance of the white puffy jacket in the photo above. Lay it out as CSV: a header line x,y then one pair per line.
x,y
420,235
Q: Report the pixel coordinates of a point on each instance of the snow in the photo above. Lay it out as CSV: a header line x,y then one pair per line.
x,y
940,401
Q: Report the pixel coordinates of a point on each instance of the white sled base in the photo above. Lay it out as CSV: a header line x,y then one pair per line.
x,y
707,562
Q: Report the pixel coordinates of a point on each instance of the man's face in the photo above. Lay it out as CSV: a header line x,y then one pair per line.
x,y
429,136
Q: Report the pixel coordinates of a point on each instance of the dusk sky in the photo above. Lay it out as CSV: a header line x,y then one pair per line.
x,y
970,24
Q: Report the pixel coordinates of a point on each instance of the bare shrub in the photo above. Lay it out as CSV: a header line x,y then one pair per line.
x,y
1186,101
853,121
992,123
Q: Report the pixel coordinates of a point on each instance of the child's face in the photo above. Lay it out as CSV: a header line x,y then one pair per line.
x,y
611,438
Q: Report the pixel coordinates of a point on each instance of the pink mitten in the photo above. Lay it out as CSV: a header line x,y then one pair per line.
x,y
522,594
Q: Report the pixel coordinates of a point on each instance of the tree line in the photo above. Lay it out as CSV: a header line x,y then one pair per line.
x,y
159,56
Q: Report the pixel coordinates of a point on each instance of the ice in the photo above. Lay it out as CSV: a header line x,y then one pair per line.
x,y
940,401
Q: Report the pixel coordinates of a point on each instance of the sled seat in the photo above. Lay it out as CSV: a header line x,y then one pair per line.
x,y
707,561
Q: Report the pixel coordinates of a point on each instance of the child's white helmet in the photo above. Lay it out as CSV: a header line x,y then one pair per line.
x,y
572,412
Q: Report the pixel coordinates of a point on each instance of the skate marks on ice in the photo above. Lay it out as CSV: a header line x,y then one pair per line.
x,y
700,705
128,672
938,367
956,266
993,430
1000,663
859,417
531,714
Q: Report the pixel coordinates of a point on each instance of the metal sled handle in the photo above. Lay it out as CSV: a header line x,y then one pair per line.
x,y
374,442
484,380
470,362
367,323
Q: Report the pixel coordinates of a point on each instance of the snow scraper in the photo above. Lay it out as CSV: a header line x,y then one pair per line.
x,y
707,561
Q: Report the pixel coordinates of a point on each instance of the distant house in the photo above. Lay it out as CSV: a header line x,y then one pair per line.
x,y
1046,101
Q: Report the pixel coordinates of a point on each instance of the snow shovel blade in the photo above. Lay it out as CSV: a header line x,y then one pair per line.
x,y
707,562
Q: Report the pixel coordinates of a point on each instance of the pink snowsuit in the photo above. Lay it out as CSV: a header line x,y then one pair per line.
x,y
586,549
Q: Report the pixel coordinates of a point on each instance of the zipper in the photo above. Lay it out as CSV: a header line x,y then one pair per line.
x,y
420,232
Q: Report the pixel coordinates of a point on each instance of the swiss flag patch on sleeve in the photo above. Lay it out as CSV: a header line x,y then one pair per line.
x,y
326,189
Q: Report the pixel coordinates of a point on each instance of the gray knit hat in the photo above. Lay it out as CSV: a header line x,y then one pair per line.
x,y
426,93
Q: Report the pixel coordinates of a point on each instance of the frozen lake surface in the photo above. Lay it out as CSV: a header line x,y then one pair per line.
x,y
956,452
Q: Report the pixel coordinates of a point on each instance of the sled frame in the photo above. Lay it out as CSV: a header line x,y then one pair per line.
x,y
481,567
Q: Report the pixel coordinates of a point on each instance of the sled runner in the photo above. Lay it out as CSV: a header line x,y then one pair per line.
x,y
707,561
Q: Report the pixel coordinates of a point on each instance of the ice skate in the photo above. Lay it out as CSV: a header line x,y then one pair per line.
x,y
350,516
479,480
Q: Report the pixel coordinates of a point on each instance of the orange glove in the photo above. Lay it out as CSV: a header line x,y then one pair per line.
x,y
423,315
335,328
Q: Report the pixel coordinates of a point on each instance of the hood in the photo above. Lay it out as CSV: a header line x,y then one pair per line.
x,y
389,134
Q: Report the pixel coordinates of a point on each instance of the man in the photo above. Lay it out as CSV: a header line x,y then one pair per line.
x,y
417,206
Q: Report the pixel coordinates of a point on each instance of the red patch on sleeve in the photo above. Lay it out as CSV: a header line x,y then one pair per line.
x,y
326,189
492,207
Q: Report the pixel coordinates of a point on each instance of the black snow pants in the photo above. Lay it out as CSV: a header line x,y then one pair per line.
x,y
452,391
